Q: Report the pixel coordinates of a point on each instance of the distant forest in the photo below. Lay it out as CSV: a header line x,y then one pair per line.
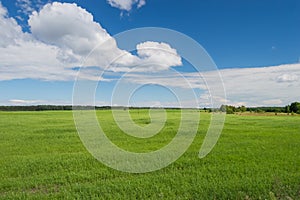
x,y
292,108
47,107
64,107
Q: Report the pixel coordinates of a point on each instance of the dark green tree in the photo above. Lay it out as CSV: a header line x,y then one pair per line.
x,y
223,108
295,107
287,109
242,109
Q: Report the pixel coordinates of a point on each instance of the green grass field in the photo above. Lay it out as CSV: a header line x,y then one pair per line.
x,y
42,157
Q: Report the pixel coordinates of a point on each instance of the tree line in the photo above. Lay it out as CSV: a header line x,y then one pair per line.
x,y
229,109
68,107
49,107
292,108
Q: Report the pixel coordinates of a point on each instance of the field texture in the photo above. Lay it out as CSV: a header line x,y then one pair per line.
x,y
42,157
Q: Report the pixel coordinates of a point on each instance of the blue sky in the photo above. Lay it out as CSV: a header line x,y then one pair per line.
x,y
255,44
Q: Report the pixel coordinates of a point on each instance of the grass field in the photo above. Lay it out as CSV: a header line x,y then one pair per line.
x,y
256,157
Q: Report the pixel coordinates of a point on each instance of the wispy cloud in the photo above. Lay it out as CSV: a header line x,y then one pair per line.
x,y
26,7
261,86
273,85
24,102
126,5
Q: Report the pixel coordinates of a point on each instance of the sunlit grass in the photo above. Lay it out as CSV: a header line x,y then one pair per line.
x,y
41,156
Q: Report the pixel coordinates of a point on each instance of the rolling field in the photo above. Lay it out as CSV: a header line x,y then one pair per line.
x,y
42,157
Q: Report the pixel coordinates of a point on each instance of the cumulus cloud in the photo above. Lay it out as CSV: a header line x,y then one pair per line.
x,y
126,4
154,52
67,26
10,30
22,56
62,35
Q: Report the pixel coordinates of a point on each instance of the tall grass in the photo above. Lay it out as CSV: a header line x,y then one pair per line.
x,y
42,157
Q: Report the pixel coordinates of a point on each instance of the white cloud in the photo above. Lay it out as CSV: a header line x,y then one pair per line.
x,y
151,57
25,6
3,10
287,78
24,102
141,3
67,26
126,4
81,34
22,56
244,86
10,31
160,53
260,86
62,35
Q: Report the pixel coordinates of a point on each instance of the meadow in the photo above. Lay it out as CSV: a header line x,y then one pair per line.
x,y
42,157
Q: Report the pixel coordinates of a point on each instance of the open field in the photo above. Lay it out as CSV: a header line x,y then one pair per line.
x,y
41,156
265,114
